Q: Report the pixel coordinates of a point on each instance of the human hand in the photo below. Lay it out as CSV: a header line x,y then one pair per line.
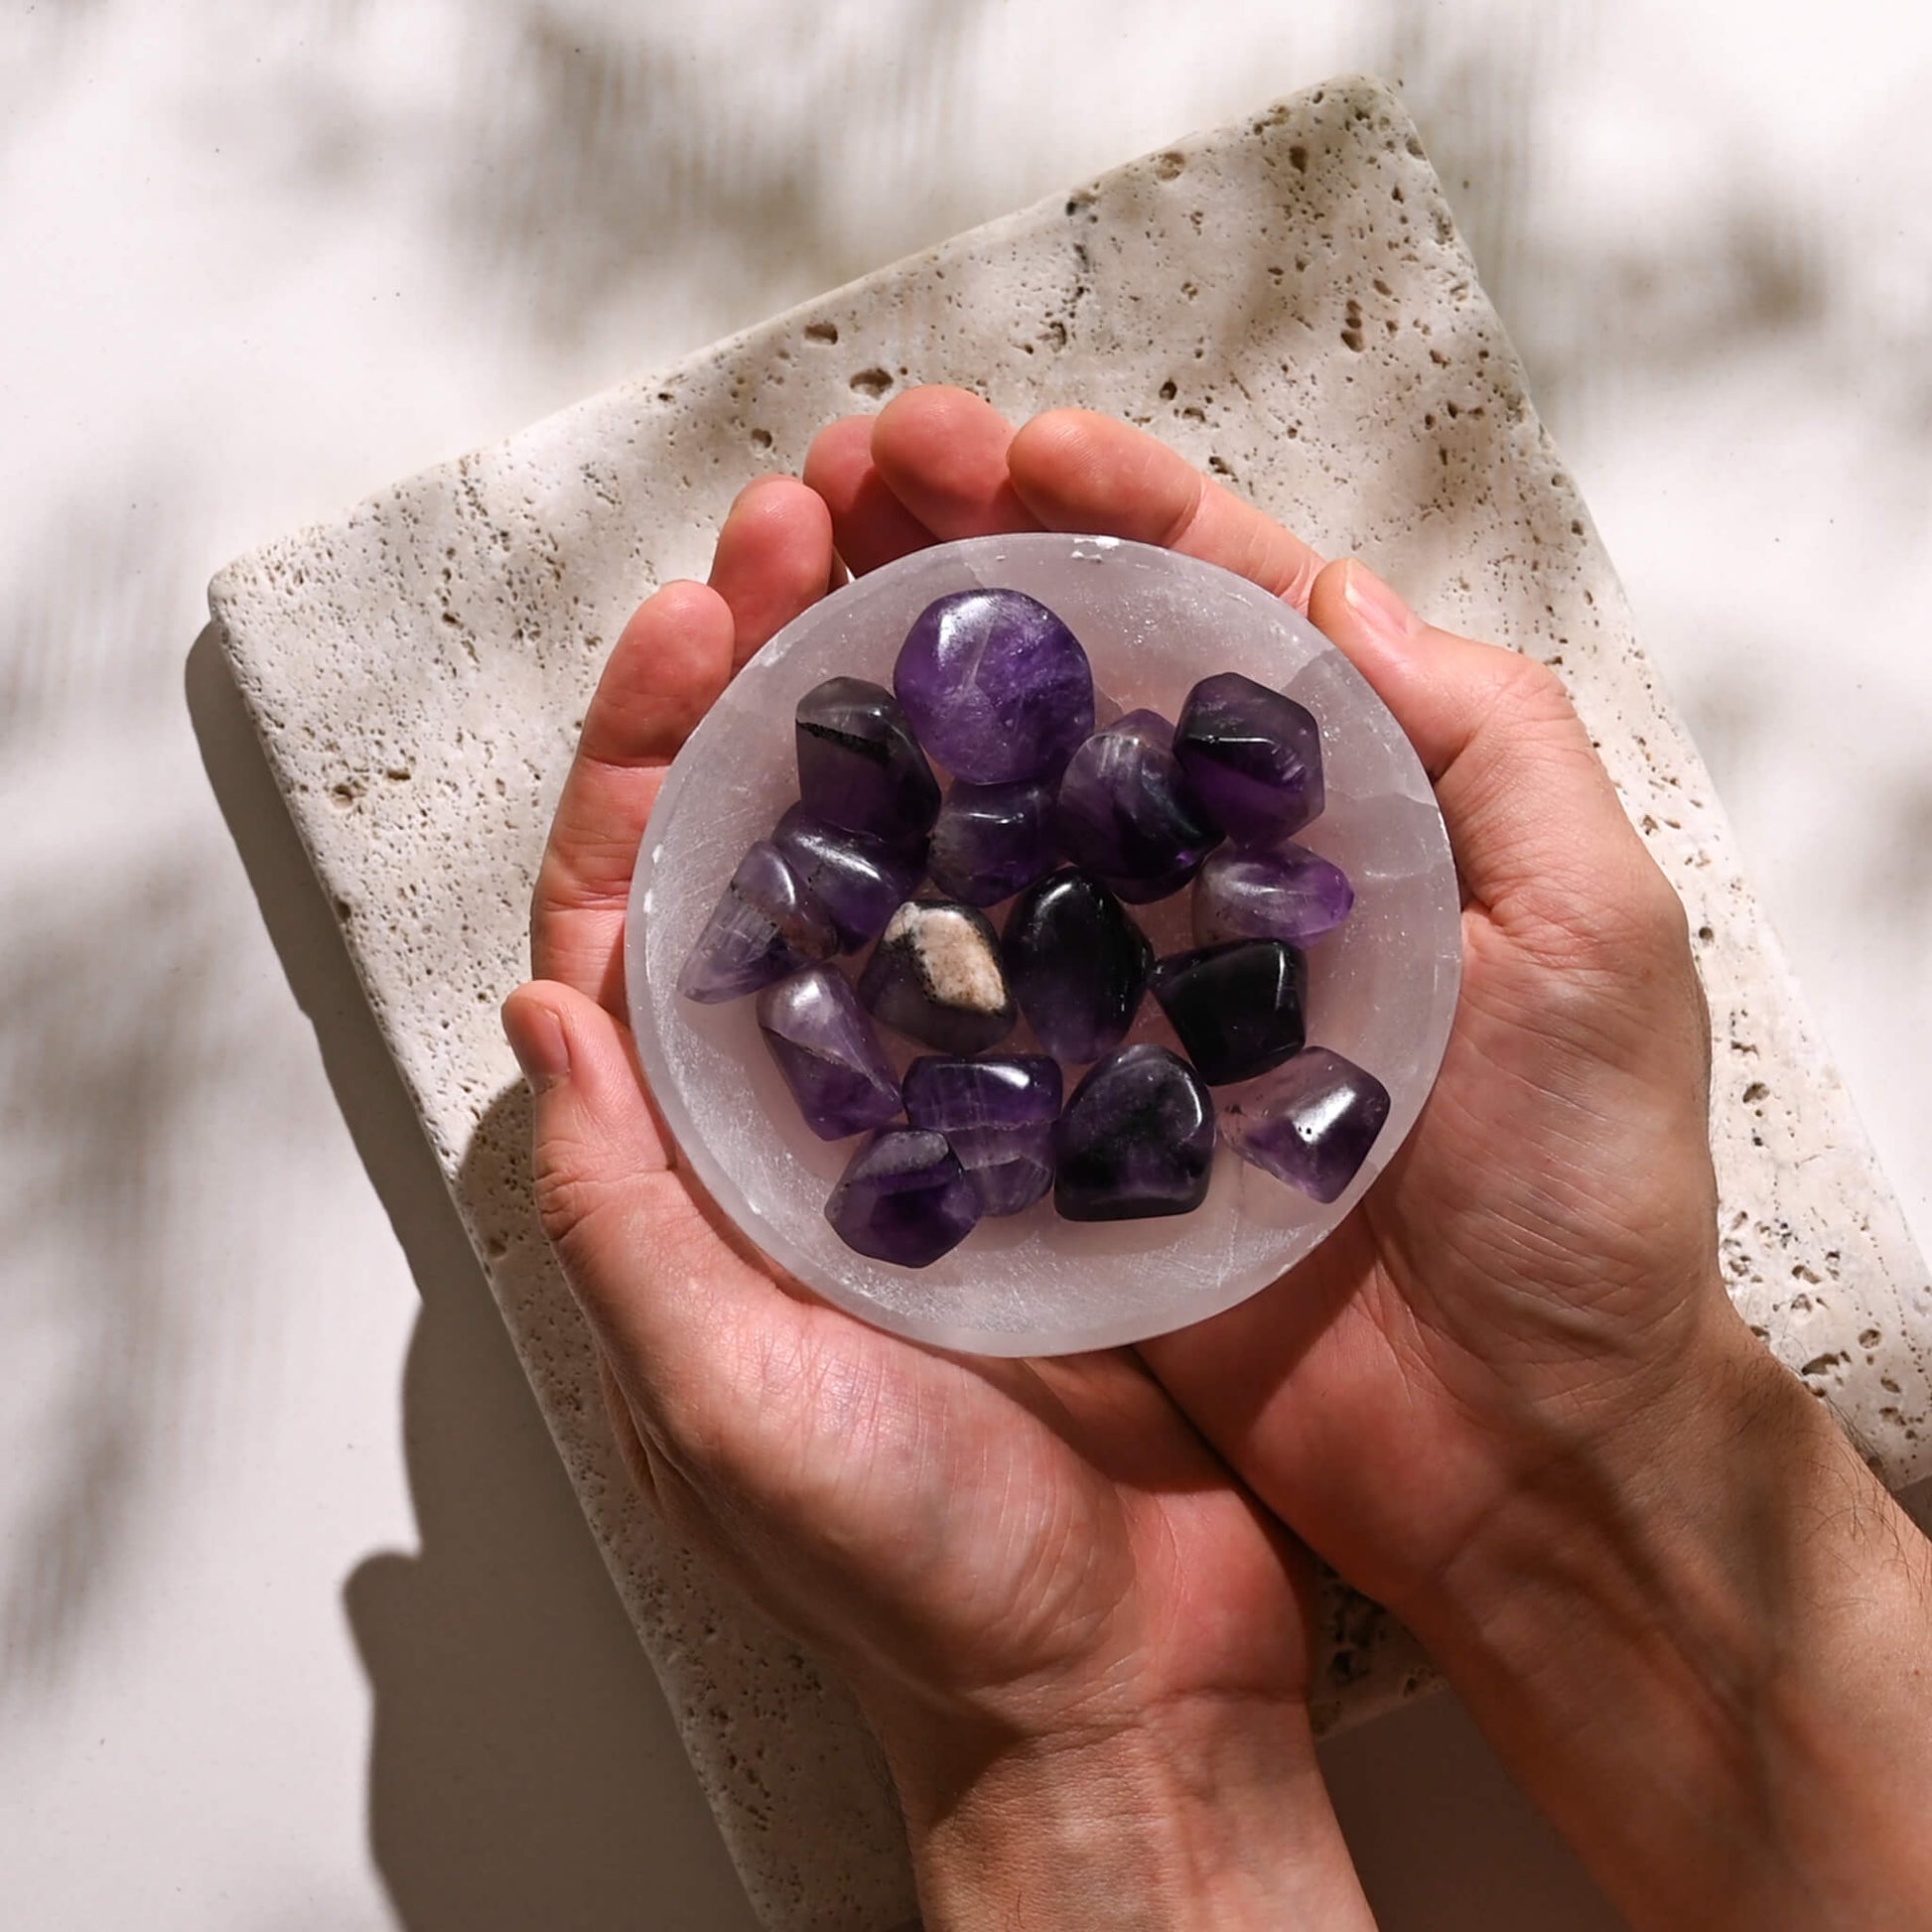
x,y
1079,1640
1509,1396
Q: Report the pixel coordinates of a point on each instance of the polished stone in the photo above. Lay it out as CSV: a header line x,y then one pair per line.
x,y
824,1044
1137,1138
998,1115
997,687
1311,1122
1253,755
904,1199
858,880
1077,965
1129,813
1239,1008
992,841
935,976
764,925
859,764
1283,892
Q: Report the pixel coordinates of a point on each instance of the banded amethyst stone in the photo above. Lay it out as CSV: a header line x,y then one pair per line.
x,y
1077,965
992,841
764,925
1283,893
830,1056
858,880
997,1115
1255,757
1239,1008
859,764
1311,1123
904,1199
935,976
997,687
1130,813
1137,1138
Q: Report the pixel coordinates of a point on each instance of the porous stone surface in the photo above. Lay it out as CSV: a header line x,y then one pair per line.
x,y
1288,301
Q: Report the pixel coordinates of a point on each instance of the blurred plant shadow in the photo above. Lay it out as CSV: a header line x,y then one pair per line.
x,y
523,1767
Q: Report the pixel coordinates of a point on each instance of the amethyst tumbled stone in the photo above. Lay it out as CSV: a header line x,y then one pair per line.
x,y
1077,965
1131,814
1254,755
997,687
904,1199
935,976
998,1115
1310,1123
764,925
858,880
1239,1008
992,841
830,1058
859,764
1137,1138
1283,892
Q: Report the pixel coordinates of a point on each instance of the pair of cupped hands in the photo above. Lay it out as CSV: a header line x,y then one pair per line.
x,y
1072,1595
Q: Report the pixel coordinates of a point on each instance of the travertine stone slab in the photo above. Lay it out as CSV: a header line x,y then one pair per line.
x,y
1289,301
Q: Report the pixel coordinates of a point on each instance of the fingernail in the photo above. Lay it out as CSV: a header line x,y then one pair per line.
x,y
536,1038
1377,607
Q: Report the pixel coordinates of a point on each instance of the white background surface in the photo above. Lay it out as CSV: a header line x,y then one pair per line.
x,y
299,1626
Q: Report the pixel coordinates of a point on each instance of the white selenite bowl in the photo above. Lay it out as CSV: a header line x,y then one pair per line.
x,y
1382,987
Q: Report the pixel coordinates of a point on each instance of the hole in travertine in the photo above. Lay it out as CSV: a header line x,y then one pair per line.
x,y
872,382
821,331
1168,392
1755,1092
761,438
1869,1338
1298,159
1168,165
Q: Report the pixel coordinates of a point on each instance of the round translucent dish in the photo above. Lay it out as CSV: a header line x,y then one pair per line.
x,y
1382,987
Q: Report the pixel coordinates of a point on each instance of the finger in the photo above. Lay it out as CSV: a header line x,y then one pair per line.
x,y
774,559
666,673
944,453
870,525
1533,820
671,1302
1078,470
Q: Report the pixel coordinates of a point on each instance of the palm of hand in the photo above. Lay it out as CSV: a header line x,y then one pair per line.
x,y
1034,1545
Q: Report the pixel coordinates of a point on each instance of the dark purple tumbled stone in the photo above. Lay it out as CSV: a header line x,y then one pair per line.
x,y
1239,1008
904,1199
859,764
1077,965
764,925
997,687
1129,813
858,880
992,841
998,1115
1137,1138
935,976
1283,892
1254,755
1311,1122
825,1047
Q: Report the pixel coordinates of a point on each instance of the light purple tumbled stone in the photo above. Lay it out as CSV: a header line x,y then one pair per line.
x,y
1311,1122
992,841
1283,892
1253,755
904,1199
831,1059
1129,813
764,925
858,879
997,1114
997,687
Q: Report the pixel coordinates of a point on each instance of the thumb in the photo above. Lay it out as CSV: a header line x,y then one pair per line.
x,y
1533,818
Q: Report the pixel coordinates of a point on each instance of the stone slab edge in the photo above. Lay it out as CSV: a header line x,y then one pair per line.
x,y
1288,301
